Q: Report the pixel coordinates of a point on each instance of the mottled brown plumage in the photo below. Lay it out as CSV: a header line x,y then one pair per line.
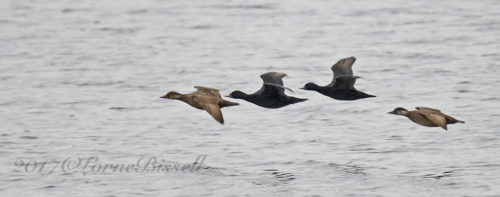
x,y
427,117
204,98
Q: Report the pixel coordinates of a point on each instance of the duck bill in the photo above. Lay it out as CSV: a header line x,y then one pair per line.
x,y
164,96
391,112
228,95
303,87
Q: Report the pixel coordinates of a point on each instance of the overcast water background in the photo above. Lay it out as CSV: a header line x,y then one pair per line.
x,y
82,79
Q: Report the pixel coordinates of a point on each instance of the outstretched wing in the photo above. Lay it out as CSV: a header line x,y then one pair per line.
x,y
343,67
273,78
342,74
207,91
273,83
211,105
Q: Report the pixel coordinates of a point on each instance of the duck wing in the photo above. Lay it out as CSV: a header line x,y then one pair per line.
x,y
273,83
449,119
342,72
211,105
428,108
207,91
273,78
343,67
278,86
344,82
437,119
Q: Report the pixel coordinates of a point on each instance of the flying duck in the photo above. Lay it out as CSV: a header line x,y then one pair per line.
x,y
342,85
271,95
204,98
427,117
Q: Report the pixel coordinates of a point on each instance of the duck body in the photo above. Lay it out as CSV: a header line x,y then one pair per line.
x,y
427,117
420,119
193,102
271,101
271,95
342,85
203,98
343,94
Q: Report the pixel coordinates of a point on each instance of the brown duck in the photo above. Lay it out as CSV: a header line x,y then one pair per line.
x,y
427,117
204,98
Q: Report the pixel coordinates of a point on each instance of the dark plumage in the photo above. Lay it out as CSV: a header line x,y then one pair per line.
x,y
427,117
342,85
204,98
271,95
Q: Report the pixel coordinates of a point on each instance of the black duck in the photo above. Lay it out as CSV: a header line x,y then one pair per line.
x,y
271,95
342,85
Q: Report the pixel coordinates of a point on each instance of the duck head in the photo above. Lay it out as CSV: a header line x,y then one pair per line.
x,y
172,95
310,86
399,111
237,95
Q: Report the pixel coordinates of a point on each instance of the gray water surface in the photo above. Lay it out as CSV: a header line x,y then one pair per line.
x,y
82,79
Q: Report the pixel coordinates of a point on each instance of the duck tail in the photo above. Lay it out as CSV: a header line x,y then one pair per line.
x,y
361,94
298,100
226,103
